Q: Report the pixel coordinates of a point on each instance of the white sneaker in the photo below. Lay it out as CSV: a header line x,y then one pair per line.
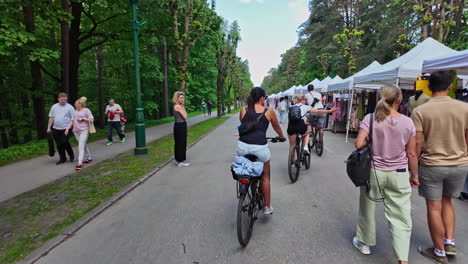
x,y
306,150
365,249
183,164
268,210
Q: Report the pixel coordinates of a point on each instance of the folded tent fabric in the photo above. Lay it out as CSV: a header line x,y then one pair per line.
x,y
243,166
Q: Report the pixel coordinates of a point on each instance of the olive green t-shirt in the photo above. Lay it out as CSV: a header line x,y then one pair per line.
x,y
443,122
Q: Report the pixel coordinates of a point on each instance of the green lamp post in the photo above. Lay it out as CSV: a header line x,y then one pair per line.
x,y
140,149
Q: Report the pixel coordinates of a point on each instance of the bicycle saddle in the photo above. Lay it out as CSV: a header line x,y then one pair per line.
x,y
251,157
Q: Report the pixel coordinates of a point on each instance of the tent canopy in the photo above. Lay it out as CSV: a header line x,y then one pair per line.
x,y
407,67
348,82
457,61
324,88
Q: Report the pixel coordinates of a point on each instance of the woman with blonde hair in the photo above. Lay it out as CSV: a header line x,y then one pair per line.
x,y
81,121
393,160
180,129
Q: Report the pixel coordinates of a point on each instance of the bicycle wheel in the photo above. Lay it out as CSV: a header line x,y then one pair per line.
x,y
294,164
312,139
319,145
245,218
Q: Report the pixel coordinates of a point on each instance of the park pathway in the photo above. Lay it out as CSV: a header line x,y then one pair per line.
x,y
188,215
26,175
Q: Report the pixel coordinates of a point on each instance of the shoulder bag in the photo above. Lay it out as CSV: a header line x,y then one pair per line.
x,y
247,127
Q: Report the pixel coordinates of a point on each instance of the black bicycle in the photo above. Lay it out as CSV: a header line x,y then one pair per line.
x,y
250,200
316,136
297,158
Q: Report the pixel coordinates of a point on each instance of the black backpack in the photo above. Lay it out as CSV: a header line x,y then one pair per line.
x,y
295,113
358,166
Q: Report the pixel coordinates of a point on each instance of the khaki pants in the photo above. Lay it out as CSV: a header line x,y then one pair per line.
x,y
396,191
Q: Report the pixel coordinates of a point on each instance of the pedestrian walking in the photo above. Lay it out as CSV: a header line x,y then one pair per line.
x,y
464,193
180,130
393,151
283,109
114,112
82,119
203,107
60,116
443,123
209,106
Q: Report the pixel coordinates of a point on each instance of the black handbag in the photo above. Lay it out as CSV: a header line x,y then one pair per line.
x,y
50,141
358,165
246,127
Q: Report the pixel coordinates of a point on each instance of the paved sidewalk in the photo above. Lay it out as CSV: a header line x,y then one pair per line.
x,y
188,215
26,175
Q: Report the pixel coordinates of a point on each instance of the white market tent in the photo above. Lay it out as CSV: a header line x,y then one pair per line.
x,y
315,82
457,61
323,83
289,91
348,83
404,70
324,89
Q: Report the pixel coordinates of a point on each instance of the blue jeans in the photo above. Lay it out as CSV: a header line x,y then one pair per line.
x,y
283,116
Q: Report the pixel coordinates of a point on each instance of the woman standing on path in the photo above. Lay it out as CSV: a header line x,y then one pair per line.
x,y
82,118
393,152
180,130
203,107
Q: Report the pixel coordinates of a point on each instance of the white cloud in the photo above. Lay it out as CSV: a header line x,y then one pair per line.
x,y
300,9
250,1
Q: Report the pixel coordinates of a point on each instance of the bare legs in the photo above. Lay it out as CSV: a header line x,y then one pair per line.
x,y
441,220
266,183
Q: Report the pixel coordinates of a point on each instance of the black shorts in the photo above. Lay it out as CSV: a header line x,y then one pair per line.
x,y
297,127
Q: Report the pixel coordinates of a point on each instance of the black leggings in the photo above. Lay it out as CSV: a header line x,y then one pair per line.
x,y
180,140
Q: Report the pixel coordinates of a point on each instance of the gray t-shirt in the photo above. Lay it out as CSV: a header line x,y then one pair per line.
x,y
114,109
62,115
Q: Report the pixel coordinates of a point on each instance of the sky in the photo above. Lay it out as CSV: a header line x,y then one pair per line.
x,y
268,29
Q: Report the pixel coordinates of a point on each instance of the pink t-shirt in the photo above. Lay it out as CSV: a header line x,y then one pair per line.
x,y
389,141
81,125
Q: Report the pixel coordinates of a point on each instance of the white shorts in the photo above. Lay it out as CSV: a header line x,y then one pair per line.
x,y
261,151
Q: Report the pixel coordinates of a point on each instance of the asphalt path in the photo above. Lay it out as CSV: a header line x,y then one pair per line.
x,y
27,175
188,215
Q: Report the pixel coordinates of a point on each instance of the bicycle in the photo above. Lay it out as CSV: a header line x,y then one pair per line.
x,y
250,200
297,158
316,136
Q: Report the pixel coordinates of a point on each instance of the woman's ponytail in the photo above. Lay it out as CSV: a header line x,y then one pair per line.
x,y
255,95
389,95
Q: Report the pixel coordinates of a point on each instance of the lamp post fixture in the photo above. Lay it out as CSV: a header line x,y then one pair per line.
x,y
140,137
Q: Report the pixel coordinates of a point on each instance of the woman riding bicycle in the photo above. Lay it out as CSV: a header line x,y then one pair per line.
x,y
254,142
300,126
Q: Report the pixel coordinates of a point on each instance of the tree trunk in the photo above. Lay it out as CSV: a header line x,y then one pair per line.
x,y
166,81
24,100
77,9
36,86
100,79
219,84
65,49
458,19
3,134
13,129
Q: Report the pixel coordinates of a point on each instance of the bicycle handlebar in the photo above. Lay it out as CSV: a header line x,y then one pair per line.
x,y
275,139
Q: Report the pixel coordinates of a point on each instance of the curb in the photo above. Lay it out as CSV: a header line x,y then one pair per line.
x,y
68,232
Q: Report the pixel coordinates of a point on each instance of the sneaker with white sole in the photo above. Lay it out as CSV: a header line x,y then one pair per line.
x,y
268,210
306,150
183,164
365,249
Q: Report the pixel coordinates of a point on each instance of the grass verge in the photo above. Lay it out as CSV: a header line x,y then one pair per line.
x,y
39,147
29,220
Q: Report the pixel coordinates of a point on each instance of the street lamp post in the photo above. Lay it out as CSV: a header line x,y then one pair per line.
x,y
140,137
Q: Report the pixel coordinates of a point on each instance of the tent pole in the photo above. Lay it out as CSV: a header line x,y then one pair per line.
x,y
349,112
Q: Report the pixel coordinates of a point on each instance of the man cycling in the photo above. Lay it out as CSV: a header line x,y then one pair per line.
x,y
298,123
314,99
